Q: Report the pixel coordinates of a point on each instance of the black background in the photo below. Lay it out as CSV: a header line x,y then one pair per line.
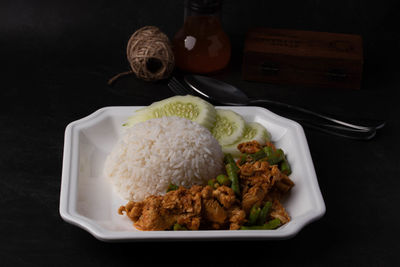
x,y
56,58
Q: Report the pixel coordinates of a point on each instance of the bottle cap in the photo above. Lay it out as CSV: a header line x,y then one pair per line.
x,y
204,6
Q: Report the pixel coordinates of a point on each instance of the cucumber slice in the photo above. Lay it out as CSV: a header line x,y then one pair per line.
x,y
189,107
229,127
140,115
256,131
253,131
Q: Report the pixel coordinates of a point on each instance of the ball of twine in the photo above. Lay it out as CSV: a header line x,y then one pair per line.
x,y
149,54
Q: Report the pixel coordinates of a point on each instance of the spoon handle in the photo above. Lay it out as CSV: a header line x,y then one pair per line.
x,y
340,131
319,115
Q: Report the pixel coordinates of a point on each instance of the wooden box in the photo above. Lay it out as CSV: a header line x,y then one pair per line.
x,y
305,58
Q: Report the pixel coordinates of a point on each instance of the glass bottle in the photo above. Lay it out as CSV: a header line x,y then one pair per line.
x,y
201,45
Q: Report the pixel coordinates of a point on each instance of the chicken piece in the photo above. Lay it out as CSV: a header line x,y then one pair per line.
x,y
284,184
196,201
254,169
132,209
250,147
195,189
225,196
214,212
221,208
261,166
237,217
190,221
279,212
172,200
192,208
255,195
276,174
255,179
206,192
247,169
153,217
259,180
162,212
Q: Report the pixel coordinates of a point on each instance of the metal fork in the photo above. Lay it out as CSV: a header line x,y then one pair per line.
x,y
178,88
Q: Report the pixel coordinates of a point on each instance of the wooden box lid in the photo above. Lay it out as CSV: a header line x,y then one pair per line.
x,y
303,57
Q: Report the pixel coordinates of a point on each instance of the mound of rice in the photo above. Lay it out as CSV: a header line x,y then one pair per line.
x,y
152,154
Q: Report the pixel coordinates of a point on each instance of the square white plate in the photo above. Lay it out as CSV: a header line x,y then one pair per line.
x,y
87,198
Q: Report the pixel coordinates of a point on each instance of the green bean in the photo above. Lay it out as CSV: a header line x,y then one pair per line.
x,y
274,156
280,155
264,213
212,183
172,187
232,174
254,214
253,227
254,157
285,167
260,154
231,170
178,227
272,224
243,159
269,151
223,180
229,160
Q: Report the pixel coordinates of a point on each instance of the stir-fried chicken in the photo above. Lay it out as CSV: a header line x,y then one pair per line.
x,y
249,147
205,207
194,208
279,212
261,182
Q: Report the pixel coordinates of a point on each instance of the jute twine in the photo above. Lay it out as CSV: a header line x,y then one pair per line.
x,y
149,54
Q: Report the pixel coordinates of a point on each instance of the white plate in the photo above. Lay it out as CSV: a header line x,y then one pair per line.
x,y
88,200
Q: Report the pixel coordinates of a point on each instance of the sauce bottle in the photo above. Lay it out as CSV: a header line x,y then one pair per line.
x,y
201,45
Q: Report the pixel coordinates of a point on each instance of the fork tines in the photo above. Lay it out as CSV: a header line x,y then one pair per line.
x,y
177,87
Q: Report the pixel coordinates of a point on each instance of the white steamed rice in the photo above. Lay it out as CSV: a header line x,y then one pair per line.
x,y
152,154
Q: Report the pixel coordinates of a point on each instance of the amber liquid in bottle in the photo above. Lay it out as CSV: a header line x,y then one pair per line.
x,y
201,45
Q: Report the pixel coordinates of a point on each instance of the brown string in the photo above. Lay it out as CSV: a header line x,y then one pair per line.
x,y
116,77
149,54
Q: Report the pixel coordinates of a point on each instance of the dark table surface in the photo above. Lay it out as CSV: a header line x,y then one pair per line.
x,y
56,59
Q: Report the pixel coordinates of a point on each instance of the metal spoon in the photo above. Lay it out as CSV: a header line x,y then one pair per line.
x,y
227,94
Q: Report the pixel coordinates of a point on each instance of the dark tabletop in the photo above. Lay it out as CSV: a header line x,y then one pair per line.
x,y
56,58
